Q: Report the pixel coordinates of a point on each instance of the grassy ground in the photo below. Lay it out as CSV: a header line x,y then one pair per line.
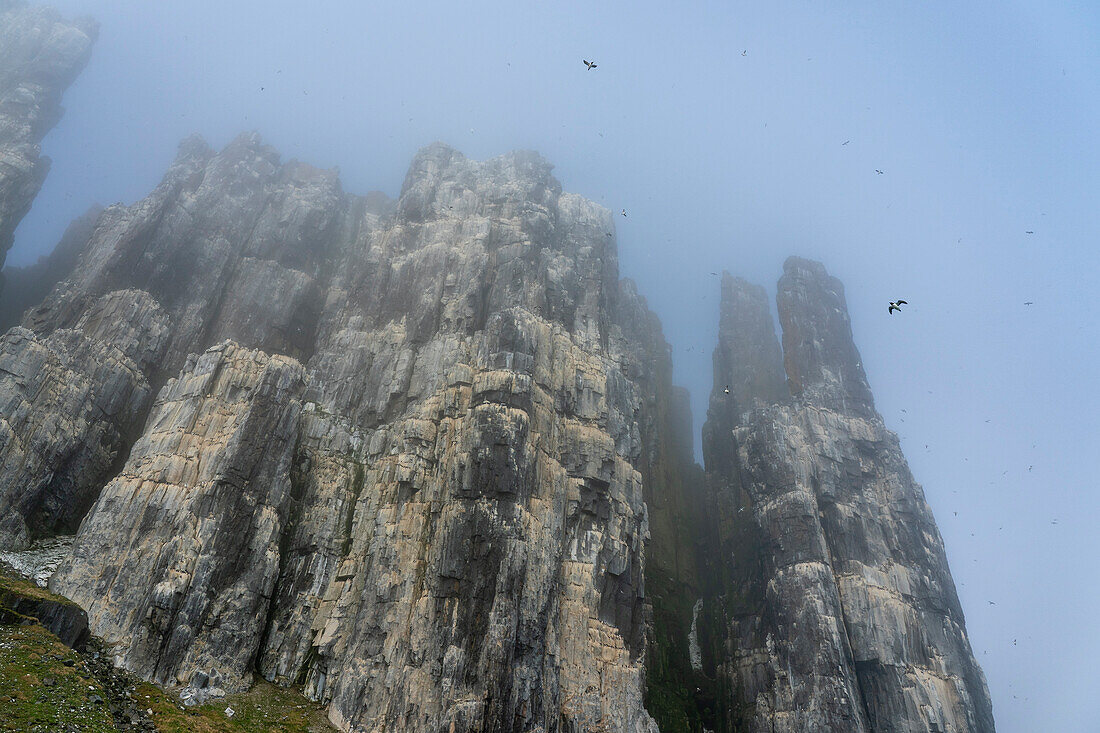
x,y
10,582
263,709
46,687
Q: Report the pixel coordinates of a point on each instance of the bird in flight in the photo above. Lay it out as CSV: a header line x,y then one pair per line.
x,y
896,306
1028,302
878,171
745,52
845,142
623,212
1029,232
590,64
727,390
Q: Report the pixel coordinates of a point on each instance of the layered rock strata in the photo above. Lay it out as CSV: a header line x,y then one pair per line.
x,y
71,402
424,459
836,610
178,559
448,527
40,56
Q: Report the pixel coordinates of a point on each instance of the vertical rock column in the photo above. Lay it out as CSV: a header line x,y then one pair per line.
x,y
177,561
840,608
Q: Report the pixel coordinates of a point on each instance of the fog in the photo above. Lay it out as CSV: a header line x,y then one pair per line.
x,y
733,135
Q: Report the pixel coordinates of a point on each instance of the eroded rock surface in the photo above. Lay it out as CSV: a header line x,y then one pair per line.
x,y
40,56
837,605
424,459
70,402
177,560
452,533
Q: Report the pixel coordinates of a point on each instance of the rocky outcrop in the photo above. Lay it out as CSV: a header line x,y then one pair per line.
x,y
423,458
70,404
25,287
837,610
447,527
181,584
22,603
40,55
230,245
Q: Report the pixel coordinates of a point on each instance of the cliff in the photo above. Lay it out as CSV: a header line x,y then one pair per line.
x,y
396,452
423,459
836,610
40,55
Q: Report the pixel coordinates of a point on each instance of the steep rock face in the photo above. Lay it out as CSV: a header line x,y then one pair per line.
x,y
837,609
229,245
459,541
469,554
69,403
40,55
183,581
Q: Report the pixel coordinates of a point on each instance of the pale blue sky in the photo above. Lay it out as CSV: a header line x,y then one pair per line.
x,y
983,116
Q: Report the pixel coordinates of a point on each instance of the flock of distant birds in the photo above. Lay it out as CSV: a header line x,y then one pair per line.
x,y
895,305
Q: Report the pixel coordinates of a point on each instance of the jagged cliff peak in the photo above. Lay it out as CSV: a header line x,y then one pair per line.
x,y
747,359
837,601
447,403
442,182
820,356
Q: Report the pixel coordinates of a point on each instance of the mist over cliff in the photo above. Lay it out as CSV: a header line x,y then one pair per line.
x,y
423,458
421,455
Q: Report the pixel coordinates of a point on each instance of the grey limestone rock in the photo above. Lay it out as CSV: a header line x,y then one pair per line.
x,y
177,560
838,604
451,529
424,459
69,403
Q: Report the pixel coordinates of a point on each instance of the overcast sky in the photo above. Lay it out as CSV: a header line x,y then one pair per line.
x,y
721,128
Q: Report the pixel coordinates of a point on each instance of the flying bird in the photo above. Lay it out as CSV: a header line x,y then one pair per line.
x,y
745,52
895,305
845,142
591,65
1029,232
1028,302
878,171
727,390
623,212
